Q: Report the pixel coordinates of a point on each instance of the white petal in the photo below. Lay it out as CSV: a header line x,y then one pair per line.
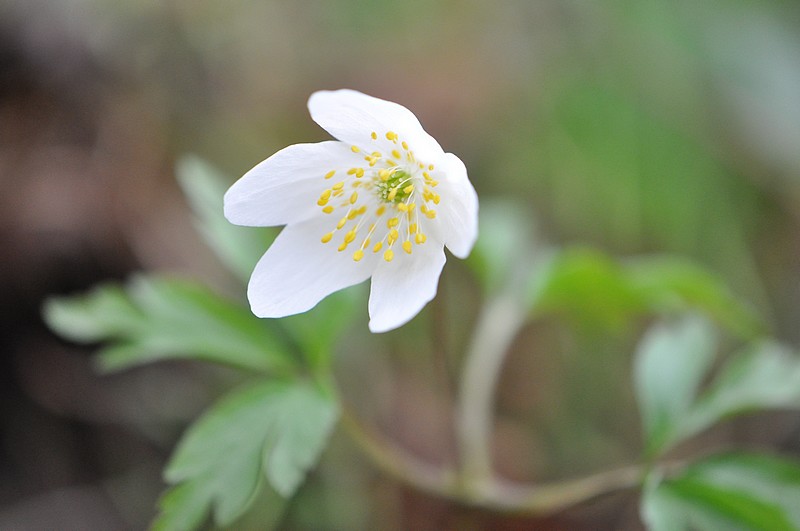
x,y
285,188
401,288
458,210
352,116
298,270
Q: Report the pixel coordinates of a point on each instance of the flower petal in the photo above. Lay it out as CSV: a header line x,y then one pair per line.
x,y
459,208
352,116
298,271
284,188
400,289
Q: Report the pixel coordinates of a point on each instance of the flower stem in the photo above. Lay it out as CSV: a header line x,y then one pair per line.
x,y
495,495
497,326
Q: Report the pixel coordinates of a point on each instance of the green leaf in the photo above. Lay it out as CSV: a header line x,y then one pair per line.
x,y
672,284
279,428
669,366
239,248
766,375
725,492
155,318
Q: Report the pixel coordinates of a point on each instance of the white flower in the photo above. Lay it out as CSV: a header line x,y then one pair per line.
x,y
380,202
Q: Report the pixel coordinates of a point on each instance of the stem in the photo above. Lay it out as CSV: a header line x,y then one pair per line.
x,y
495,495
497,326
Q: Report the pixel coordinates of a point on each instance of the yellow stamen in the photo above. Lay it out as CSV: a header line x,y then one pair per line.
x,y
358,255
338,186
407,246
354,149
374,135
342,247
393,222
388,255
377,247
392,194
394,235
327,237
330,174
396,154
408,189
405,146
354,198
328,209
341,222
402,207
431,214
420,238
359,173
412,228
380,211
391,135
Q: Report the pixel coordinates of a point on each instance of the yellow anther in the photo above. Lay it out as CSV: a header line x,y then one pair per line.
x,y
393,234
338,186
402,207
420,238
330,174
433,183
359,173
405,146
407,246
431,214
358,255
328,209
327,237
393,222
351,171
362,209
374,135
388,255
412,228
338,192
377,247
391,163
436,198
430,167
342,247
423,208
392,194
426,175
408,189
325,195
365,244
396,154
391,135
380,211
354,198
384,174
350,236
341,222
352,214
354,149
411,207
322,201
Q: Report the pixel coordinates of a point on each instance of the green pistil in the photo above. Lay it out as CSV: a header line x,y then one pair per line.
x,y
398,181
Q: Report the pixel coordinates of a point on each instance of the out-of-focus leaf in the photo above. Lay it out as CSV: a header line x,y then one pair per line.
x,y
673,284
239,248
764,376
277,428
157,318
669,366
727,492
590,288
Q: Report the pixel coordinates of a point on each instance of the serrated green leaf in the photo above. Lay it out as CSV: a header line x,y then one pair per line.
x,y
727,492
155,318
278,428
105,311
766,375
669,366
239,248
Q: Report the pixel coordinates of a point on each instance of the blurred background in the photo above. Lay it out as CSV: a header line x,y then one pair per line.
x,y
635,127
